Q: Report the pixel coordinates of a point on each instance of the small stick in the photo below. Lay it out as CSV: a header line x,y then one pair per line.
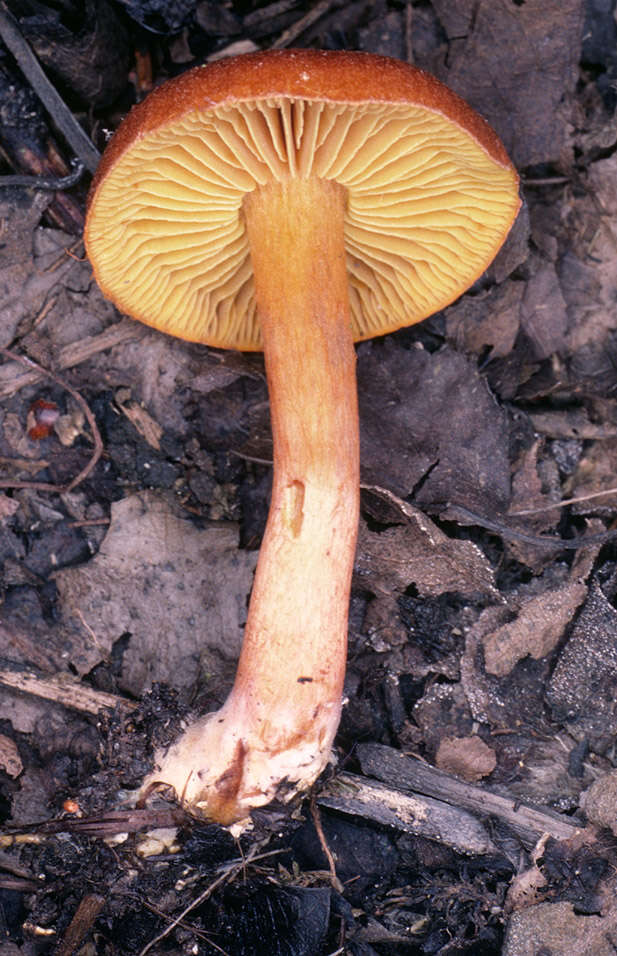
x,y
546,181
414,777
458,512
255,20
88,522
83,920
76,352
200,934
334,880
65,691
96,435
564,502
228,874
409,31
51,100
288,36
52,183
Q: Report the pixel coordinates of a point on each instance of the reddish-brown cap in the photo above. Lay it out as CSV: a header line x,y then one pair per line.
x,y
431,191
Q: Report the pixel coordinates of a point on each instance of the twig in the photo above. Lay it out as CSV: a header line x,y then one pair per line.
x,y
10,865
200,934
77,352
53,103
88,522
252,458
100,825
564,503
96,435
546,181
253,21
457,512
180,919
44,312
47,183
288,36
83,920
88,629
209,890
17,885
70,252
414,776
334,880
408,812
64,690
409,32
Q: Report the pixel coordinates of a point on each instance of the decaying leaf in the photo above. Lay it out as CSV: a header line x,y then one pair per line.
x,y
491,321
526,888
533,97
418,553
589,275
596,471
583,688
571,423
536,629
22,286
535,488
443,710
543,313
177,592
164,373
600,801
430,419
534,620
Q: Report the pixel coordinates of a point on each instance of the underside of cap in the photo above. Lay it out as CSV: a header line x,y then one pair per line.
x,y
430,193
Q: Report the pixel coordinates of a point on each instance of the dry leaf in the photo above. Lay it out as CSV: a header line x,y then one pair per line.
x,y
527,104
600,801
525,889
177,591
8,506
466,757
419,553
583,688
536,630
10,761
148,428
430,420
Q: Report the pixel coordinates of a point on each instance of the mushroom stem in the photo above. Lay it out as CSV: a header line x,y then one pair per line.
x,y
272,737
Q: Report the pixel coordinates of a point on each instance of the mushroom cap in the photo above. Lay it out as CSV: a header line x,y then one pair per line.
x,y
431,192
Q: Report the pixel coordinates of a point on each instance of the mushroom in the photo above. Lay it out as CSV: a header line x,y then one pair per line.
x,y
295,202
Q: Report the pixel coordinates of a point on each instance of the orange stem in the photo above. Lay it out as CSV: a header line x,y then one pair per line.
x,y
273,734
